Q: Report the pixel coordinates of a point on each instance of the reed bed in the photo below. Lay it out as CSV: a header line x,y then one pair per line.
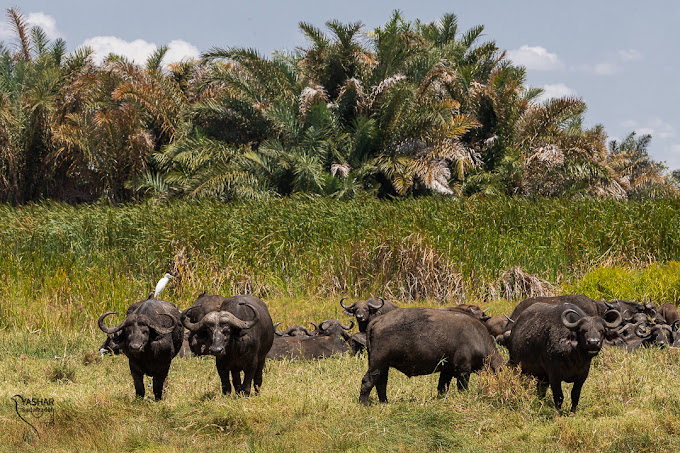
x,y
88,258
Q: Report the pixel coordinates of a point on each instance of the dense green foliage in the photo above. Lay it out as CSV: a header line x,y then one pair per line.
x,y
406,108
85,258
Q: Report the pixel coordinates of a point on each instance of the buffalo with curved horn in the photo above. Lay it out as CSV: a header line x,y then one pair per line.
x,y
296,330
238,331
147,340
366,310
556,343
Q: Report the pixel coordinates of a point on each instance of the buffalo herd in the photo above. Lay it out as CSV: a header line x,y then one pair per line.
x,y
552,339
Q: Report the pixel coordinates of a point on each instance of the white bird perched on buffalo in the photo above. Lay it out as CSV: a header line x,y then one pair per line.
x,y
160,286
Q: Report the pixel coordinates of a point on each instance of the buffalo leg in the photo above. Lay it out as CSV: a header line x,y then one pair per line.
x,y
576,393
223,372
558,396
236,380
381,386
158,381
541,388
463,380
444,381
138,379
248,375
257,381
367,383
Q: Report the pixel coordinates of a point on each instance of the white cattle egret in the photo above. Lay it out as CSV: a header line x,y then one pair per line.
x,y
160,286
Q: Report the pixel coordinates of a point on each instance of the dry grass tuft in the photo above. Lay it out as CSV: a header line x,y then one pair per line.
x,y
408,269
516,284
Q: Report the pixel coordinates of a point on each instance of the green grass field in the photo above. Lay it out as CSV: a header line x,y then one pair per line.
x,y
61,266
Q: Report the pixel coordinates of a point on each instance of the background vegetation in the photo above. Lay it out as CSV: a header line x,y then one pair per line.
x,y
409,108
79,261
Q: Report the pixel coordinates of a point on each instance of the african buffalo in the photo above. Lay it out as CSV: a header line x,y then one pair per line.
x,y
238,331
296,330
496,325
556,343
307,348
367,310
659,335
333,327
588,305
634,311
331,337
419,341
670,314
150,336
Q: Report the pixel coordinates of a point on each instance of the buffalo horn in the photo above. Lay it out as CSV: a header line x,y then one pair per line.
x,y
676,325
233,321
378,307
484,311
642,330
193,326
508,318
351,324
346,307
565,318
110,330
164,330
316,328
277,332
615,321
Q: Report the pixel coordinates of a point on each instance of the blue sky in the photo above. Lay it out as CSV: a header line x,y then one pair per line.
x,y
620,56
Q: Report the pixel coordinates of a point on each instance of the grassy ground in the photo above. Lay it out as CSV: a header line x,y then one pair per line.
x,y
629,403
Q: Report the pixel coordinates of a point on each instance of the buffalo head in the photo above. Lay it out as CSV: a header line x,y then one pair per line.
x,y
134,333
294,331
590,330
363,310
217,328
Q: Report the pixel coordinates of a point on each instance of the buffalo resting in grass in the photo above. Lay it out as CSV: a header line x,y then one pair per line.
x,y
418,341
238,331
556,343
331,337
150,336
296,330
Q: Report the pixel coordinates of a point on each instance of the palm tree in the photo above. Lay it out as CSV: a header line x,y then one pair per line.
x,y
105,134
30,82
643,176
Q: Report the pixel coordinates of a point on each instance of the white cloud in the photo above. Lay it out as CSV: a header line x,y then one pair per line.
x,y
535,57
656,127
138,50
557,90
47,23
606,69
180,50
630,55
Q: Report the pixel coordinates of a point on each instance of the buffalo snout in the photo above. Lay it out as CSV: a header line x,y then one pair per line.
x,y
216,350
